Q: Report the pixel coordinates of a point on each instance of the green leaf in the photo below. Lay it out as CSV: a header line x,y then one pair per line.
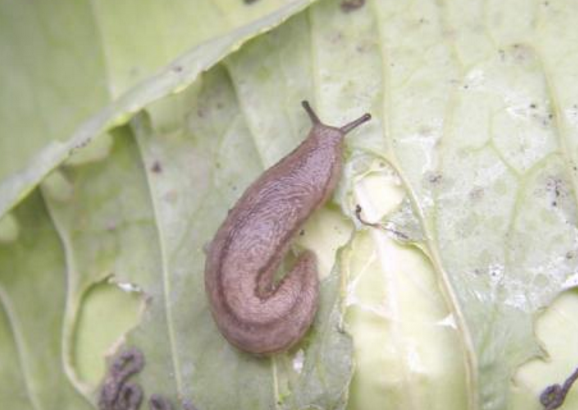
x,y
33,290
107,228
481,140
48,79
468,169
204,166
399,320
133,54
24,165
114,225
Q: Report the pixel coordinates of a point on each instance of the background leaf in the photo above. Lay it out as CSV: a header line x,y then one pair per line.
x,y
474,108
32,298
29,162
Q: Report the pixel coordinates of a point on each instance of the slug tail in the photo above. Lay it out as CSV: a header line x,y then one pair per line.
x,y
301,286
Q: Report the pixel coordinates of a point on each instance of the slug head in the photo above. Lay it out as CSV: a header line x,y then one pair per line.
x,y
326,131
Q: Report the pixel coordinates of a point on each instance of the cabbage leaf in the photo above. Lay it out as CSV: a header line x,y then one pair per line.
x,y
468,169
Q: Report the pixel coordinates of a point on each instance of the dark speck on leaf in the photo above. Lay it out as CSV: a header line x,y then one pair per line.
x,y
177,69
187,405
158,402
477,193
555,185
250,1
82,144
302,232
348,6
157,167
434,178
557,189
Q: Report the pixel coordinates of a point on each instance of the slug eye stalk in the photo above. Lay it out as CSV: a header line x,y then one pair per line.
x,y
344,129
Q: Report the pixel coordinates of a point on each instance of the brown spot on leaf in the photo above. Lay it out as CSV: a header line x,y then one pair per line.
x,y
557,188
477,193
434,178
158,402
347,6
157,167
187,405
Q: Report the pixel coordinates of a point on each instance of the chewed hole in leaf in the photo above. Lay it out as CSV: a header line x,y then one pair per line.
x,y
557,329
106,313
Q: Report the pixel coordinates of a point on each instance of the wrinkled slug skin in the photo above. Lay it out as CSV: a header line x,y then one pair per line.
x,y
249,246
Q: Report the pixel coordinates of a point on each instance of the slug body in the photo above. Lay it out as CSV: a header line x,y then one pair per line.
x,y
251,311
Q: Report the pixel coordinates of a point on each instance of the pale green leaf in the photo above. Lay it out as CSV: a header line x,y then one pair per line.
x,y
52,77
557,328
476,118
33,290
468,167
26,163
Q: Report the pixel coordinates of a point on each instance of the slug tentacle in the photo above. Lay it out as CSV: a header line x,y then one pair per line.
x,y
250,311
312,115
355,123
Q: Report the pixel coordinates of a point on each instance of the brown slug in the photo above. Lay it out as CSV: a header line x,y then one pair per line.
x,y
251,311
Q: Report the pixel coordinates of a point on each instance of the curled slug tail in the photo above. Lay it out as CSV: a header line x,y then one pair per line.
x,y
291,309
301,287
314,118
355,123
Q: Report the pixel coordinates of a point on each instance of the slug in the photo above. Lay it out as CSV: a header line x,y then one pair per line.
x,y
252,312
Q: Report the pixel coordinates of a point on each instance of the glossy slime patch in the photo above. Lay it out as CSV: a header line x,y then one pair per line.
x,y
251,311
